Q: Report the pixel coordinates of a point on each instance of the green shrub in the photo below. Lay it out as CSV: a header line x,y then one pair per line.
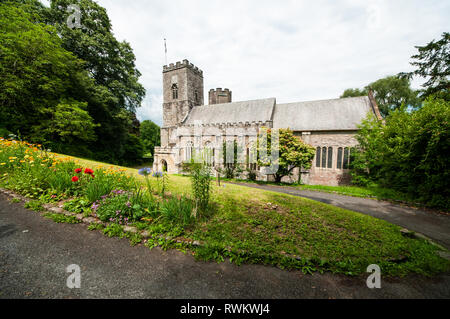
x,y
78,205
251,175
201,185
408,153
61,218
123,207
178,210
103,183
34,205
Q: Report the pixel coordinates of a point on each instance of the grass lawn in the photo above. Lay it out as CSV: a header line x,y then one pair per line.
x,y
256,226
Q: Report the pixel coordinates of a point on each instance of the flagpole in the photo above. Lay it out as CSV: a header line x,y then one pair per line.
x,y
165,50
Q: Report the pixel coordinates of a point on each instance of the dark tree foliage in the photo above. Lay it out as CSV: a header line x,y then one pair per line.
x,y
408,153
150,136
55,79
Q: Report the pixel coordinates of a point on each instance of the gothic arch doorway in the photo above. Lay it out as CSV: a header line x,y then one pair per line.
x,y
164,165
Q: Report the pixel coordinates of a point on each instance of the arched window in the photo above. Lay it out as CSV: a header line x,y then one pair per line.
x,y
174,91
318,156
208,153
247,158
196,97
324,157
164,165
346,157
330,157
339,158
188,152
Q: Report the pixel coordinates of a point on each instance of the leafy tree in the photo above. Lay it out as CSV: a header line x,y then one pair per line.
x,y
293,152
354,93
150,136
115,92
365,162
68,122
45,64
408,153
390,94
133,149
35,73
110,63
433,63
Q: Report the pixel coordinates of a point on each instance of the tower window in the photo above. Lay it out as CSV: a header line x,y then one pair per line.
x,y
196,97
174,91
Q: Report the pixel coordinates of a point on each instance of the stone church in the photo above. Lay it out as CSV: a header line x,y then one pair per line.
x,y
189,125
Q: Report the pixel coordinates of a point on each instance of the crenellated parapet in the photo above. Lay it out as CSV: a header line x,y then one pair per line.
x,y
182,64
219,96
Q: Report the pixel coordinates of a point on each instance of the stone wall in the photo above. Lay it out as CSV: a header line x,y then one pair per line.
x,y
219,96
326,176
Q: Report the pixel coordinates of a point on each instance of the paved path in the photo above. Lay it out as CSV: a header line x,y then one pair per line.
x,y
433,225
34,252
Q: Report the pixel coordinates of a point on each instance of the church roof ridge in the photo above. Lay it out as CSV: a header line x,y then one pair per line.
x,y
325,100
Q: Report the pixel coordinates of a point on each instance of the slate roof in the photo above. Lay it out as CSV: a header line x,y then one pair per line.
x,y
323,115
235,112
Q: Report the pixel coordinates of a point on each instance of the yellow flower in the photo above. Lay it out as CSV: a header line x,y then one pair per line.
x,y
3,164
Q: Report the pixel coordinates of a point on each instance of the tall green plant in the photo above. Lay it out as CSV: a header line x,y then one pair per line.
x,y
201,185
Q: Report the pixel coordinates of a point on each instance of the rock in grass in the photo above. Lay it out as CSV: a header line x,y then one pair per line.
x,y
55,210
130,229
145,234
407,233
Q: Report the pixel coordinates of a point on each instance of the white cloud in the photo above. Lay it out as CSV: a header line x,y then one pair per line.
x,y
291,50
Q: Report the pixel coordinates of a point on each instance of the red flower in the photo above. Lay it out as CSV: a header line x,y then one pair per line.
x,y
78,170
75,179
93,176
88,171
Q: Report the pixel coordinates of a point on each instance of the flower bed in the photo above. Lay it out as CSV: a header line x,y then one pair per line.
x,y
106,193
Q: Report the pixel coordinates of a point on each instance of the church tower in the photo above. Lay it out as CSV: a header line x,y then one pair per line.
x,y
182,90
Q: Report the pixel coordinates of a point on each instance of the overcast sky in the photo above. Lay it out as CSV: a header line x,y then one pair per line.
x,y
291,50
